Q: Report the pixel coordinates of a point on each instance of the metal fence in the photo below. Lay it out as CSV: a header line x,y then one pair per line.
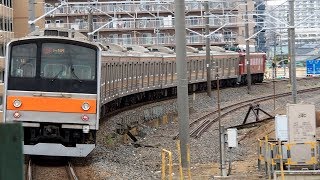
x,y
292,155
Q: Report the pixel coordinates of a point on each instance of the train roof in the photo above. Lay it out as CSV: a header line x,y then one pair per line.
x,y
56,33
111,49
163,54
158,51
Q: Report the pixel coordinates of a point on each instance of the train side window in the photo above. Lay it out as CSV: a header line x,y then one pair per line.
x,y
23,60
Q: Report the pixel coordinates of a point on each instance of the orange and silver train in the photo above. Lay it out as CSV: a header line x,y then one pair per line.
x,y
52,88
59,87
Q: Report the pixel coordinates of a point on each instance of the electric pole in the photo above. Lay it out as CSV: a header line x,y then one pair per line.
x,y
32,27
182,93
275,53
206,7
247,49
292,52
281,53
289,52
90,22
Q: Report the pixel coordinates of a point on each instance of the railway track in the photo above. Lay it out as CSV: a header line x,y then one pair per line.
x,y
65,171
139,104
205,123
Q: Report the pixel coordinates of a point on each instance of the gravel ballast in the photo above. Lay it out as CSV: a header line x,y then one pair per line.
x,y
113,159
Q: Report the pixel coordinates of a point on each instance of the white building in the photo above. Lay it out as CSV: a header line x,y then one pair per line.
x,y
307,15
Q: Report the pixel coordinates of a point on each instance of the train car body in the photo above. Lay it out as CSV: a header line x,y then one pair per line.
x,y
127,73
52,88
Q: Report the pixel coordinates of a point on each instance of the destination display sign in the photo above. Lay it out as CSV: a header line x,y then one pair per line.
x,y
53,51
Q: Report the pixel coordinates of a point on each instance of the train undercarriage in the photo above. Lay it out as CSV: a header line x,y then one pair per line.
x,y
54,133
53,140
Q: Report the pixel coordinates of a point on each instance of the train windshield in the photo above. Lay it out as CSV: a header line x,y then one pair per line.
x,y
53,66
67,61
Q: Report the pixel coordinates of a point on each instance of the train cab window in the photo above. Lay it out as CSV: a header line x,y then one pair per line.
x,y
83,72
67,61
23,60
55,71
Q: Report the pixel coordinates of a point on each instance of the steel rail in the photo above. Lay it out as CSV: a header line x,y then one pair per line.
x,y
68,167
195,130
236,104
71,171
136,105
29,175
207,125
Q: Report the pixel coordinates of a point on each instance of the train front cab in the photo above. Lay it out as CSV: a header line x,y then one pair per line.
x,y
51,87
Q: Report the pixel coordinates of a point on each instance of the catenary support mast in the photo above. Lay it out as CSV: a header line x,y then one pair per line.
x,y
293,52
206,7
183,107
247,50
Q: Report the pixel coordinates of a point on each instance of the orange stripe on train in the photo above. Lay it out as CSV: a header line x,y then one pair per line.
x,y
50,104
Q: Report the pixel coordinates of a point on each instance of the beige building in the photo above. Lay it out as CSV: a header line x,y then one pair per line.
x,y
241,32
6,26
150,22
21,16
6,33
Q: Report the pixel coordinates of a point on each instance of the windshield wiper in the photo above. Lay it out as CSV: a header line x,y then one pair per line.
x,y
74,74
72,69
56,76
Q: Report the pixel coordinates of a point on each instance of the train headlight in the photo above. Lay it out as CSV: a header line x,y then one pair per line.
x,y
85,106
17,103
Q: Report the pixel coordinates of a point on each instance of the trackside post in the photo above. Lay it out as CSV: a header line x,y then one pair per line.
x,y
164,164
281,160
188,159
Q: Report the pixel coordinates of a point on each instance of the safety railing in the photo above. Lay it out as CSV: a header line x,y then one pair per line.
x,y
136,6
161,40
165,154
277,154
142,23
313,154
167,163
